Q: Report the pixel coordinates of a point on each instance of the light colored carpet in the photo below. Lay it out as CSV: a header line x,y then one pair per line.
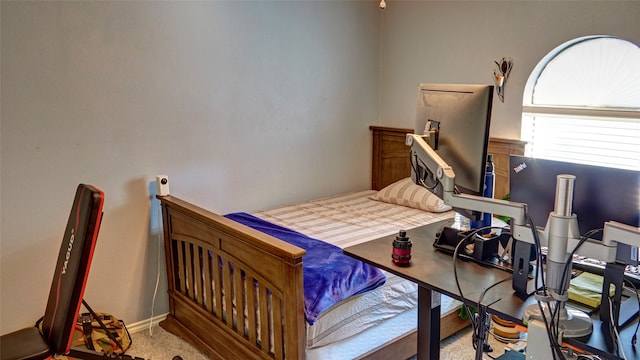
x,y
161,345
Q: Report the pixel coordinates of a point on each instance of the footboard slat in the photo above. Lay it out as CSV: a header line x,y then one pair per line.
x,y
198,276
239,296
209,287
276,307
234,292
217,284
179,251
227,293
252,310
188,262
264,318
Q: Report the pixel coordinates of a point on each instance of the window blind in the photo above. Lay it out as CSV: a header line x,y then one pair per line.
x,y
582,104
604,141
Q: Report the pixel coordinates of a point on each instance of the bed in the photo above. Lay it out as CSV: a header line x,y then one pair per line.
x,y
237,293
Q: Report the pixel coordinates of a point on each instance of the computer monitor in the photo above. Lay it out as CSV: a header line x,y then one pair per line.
x,y
600,193
460,114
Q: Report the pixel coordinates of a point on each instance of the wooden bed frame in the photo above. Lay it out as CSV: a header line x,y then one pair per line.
x,y
215,266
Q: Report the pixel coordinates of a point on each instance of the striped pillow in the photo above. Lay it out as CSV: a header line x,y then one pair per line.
x,y
404,192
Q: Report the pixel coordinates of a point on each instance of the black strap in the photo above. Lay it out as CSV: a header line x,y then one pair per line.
x,y
39,321
103,326
87,329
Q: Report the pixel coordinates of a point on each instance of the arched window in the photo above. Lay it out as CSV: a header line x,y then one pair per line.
x,y
582,104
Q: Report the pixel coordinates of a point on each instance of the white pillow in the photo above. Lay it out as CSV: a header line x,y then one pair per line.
x,y
404,192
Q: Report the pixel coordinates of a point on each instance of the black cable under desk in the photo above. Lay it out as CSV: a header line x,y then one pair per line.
x,y
432,270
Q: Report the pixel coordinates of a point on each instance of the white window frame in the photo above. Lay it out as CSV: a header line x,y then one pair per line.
x,y
546,128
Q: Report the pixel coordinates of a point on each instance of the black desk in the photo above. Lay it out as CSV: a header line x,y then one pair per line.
x,y
433,272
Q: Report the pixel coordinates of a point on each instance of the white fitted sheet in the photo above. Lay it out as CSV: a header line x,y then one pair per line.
x,y
347,220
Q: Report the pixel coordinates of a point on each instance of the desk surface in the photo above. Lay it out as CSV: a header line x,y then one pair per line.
x,y
434,270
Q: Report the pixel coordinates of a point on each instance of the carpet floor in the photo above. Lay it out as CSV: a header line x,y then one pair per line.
x,y
158,344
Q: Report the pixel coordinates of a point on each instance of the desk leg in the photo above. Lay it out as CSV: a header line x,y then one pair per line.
x,y
428,324
482,318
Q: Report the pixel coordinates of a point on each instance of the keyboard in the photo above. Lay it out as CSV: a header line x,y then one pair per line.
x,y
594,266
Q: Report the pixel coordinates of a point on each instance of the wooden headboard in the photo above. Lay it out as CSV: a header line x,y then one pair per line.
x,y
390,160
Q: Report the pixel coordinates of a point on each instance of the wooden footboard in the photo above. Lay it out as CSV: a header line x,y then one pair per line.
x,y
234,292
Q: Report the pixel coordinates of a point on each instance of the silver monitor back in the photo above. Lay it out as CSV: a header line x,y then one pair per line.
x,y
463,114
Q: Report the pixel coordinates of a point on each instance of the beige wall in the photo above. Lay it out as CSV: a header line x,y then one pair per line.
x,y
245,105
458,42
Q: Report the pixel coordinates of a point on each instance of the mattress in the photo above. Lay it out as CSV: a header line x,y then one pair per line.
x,y
347,220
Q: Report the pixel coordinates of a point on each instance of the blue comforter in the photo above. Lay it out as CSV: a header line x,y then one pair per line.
x,y
329,275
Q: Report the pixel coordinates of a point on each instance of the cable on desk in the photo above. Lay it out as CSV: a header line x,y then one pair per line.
x,y
614,329
554,312
540,278
568,262
634,339
551,325
471,317
484,292
416,170
505,339
477,328
538,245
479,336
455,275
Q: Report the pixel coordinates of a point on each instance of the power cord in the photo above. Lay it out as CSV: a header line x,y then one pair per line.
x,y
159,242
614,328
478,328
556,310
634,339
540,277
541,293
416,170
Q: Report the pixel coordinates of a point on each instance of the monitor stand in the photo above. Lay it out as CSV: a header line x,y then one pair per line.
x,y
561,225
572,323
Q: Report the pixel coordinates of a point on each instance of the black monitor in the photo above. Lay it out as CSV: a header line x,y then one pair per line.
x,y
600,194
461,116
